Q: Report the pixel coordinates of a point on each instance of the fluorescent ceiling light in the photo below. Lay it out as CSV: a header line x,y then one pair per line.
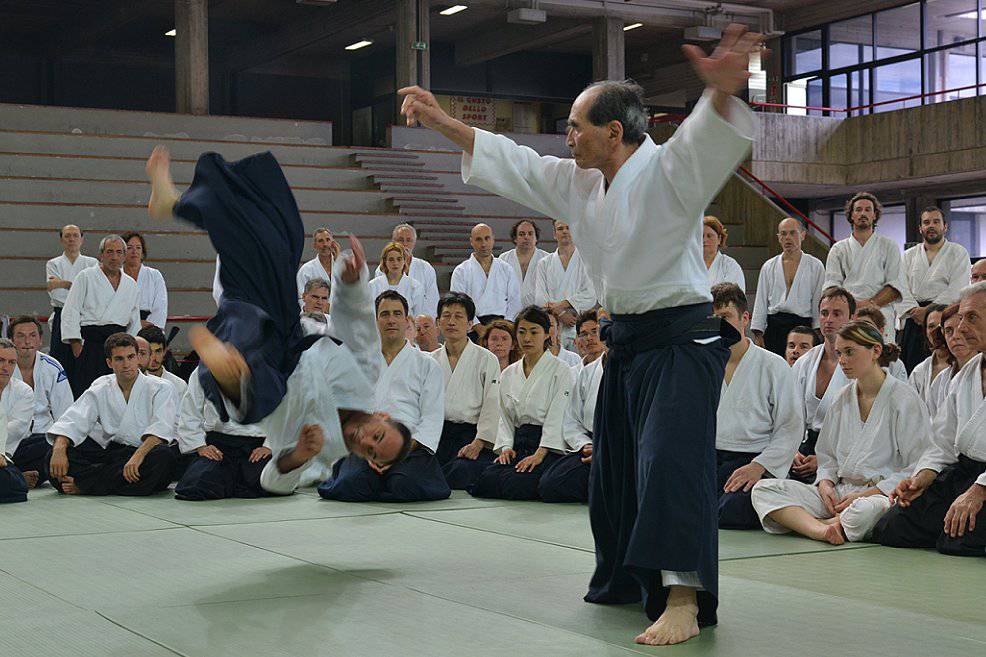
x,y
172,32
359,44
971,14
632,26
455,9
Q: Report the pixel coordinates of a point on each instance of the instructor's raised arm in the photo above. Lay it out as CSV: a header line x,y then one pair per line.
x,y
420,107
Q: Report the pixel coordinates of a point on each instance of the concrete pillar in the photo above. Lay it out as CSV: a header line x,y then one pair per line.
x,y
192,56
608,49
424,34
407,32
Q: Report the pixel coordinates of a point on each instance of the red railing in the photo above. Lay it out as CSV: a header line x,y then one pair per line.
x,y
767,189
847,110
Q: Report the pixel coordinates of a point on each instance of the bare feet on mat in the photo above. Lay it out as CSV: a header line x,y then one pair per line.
x,y
677,624
834,533
226,363
69,487
31,477
164,194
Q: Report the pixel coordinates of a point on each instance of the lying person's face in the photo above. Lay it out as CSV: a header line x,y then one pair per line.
x,y
373,438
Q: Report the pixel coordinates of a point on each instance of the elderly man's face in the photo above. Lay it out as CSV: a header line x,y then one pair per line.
x,y
972,321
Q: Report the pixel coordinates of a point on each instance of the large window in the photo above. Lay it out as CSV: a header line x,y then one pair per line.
x,y
967,223
915,54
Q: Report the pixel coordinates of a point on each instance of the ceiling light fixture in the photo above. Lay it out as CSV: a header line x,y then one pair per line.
x,y
632,26
172,32
359,44
454,9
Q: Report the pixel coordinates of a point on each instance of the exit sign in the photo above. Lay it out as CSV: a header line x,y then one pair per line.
x,y
419,45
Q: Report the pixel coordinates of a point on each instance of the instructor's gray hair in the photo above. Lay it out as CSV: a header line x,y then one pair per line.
x,y
110,238
623,102
970,290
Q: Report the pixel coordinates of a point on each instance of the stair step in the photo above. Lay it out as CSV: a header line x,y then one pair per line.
x,y
402,176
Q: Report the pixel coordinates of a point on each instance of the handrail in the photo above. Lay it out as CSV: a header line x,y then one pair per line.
x,y
783,200
171,318
871,105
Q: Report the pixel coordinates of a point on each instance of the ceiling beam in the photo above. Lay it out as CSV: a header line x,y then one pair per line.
x,y
497,43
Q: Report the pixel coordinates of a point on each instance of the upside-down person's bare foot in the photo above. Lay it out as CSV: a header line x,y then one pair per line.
x,y
164,194
224,361
31,477
69,487
677,624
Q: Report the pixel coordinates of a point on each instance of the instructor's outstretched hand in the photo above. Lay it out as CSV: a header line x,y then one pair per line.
x,y
353,265
421,108
727,68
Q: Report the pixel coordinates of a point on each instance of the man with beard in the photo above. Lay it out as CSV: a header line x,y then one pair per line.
x,y
866,264
935,270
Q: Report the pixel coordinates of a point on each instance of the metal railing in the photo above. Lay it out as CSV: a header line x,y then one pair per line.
x,y
766,189
848,110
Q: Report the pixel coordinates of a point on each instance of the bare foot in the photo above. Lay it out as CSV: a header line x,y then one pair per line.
x,y
222,359
677,624
834,534
31,477
164,195
69,487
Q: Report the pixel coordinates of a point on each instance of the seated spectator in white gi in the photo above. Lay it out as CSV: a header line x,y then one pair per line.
x,y
326,251
152,293
567,479
411,390
16,414
941,504
498,338
136,414
759,426
524,257
788,290
926,371
534,394
960,352
60,271
873,435
488,281
102,301
570,358
818,377
867,264
156,352
52,395
722,268
873,315
392,275
800,340
418,269
562,285
426,333
978,272
227,457
472,395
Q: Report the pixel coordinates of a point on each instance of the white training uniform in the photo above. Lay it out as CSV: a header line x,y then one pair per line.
x,y
472,389
760,411
60,267
581,411
329,376
555,282
17,407
920,379
152,295
725,269
52,393
151,409
422,271
407,287
865,270
539,399
197,416
960,426
804,370
801,300
217,287
526,281
311,270
941,281
495,294
412,391
940,387
92,301
856,456
571,359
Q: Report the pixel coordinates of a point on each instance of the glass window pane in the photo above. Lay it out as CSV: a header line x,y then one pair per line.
x,y
949,21
893,224
851,42
804,52
898,31
859,92
967,224
899,80
815,96
839,93
951,69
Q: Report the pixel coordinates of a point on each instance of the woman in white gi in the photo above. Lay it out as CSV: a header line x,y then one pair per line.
x,y
152,293
960,353
873,434
393,276
925,372
499,339
722,268
534,394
